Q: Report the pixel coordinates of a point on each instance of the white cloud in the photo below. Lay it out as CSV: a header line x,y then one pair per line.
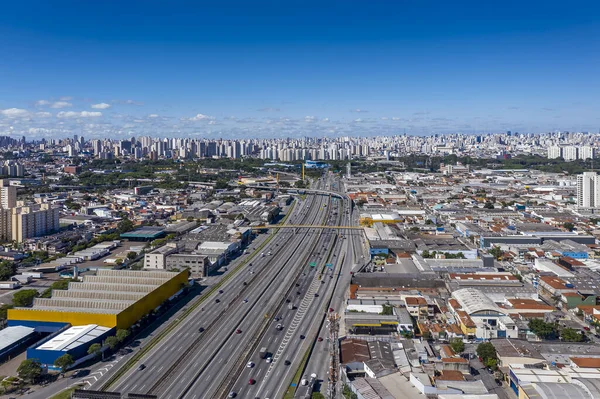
x,y
201,117
82,114
325,120
395,118
358,110
43,114
309,118
42,102
90,114
66,98
358,120
101,106
14,112
153,116
61,104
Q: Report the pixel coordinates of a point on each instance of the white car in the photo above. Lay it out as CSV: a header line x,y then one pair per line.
x,y
269,359
250,364
245,300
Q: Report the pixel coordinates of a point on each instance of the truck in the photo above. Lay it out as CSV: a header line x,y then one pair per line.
x,y
291,306
263,353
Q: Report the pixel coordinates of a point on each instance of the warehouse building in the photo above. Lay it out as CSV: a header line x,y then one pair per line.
x,y
75,341
14,338
112,298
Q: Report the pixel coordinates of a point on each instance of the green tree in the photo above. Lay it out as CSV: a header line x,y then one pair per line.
x,y
348,394
30,370
24,298
124,226
95,349
7,270
131,255
496,252
491,363
542,329
486,351
64,362
119,262
112,342
387,310
568,226
457,345
122,335
488,205
570,335
4,310
317,395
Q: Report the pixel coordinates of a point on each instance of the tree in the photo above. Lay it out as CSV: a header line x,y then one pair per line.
x,y
4,310
7,270
122,335
568,226
112,342
491,363
317,395
119,262
387,310
64,362
496,252
94,349
570,335
542,329
131,255
486,351
457,345
488,205
190,218
24,298
30,370
124,226
348,394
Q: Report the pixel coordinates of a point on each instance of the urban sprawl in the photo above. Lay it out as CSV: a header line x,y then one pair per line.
x,y
451,266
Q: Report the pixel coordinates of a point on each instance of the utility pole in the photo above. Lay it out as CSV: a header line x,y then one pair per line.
x,y
334,366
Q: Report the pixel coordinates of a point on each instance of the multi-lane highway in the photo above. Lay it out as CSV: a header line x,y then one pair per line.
x,y
202,355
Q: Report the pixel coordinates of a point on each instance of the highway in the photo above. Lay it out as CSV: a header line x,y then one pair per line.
x,y
319,359
271,380
188,357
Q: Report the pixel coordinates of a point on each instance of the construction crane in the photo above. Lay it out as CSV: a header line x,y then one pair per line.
x,y
334,366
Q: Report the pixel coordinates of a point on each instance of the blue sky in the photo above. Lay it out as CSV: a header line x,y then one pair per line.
x,y
273,69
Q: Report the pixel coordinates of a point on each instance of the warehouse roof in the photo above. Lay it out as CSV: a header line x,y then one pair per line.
x,y
474,301
148,232
74,337
11,335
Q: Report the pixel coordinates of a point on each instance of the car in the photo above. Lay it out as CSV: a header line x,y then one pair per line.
x,y
232,394
201,329
250,364
246,300
297,284
287,362
269,359
322,281
220,291
302,337
320,339
238,331
586,328
279,327
141,367
288,300
217,300
297,292
245,283
251,271
250,264
316,295
331,309
251,381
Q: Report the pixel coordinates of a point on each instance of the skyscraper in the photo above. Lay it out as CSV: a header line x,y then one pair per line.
x,y
588,190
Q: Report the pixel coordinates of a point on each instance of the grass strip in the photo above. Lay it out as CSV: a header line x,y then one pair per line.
x,y
143,351
66,394
289,394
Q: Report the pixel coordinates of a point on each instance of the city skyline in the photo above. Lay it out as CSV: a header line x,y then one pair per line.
x,y
270,70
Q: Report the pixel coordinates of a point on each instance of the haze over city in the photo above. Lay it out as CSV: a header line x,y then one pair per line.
x,y
292,69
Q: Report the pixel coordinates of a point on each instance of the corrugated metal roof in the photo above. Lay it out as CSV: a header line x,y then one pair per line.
x,y
74,337
10,335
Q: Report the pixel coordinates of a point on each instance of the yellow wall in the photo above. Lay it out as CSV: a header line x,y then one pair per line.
x,y
74,318
132,314
467,330
125,319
